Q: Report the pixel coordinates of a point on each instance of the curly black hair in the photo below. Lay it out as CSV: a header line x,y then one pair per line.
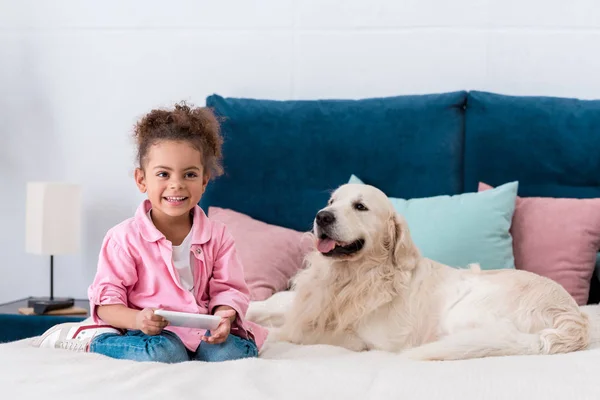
x,y
196,125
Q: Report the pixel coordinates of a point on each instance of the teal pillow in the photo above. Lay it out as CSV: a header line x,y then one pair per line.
x,y
462,229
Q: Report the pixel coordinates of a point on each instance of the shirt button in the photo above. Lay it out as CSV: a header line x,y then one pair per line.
x,y
199,250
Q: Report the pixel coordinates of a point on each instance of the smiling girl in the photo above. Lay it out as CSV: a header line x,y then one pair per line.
x,y
168,256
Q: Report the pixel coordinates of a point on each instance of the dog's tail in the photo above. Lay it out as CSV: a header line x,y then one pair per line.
x,y
592,313
570,332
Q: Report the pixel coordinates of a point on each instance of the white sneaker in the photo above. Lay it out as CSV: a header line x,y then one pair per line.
x,y
71,336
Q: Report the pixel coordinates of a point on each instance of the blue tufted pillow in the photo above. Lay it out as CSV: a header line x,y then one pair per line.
x,y
551,145
282,159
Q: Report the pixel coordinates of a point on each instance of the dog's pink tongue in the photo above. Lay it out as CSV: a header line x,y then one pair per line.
x,y
325,245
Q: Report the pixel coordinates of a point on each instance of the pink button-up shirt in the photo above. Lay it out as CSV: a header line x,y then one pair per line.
x,y
135,268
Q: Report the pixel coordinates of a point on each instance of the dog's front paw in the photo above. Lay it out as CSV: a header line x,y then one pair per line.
x,y
281,335
276,335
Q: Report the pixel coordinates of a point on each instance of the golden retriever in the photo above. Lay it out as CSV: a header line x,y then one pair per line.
x,y
366,286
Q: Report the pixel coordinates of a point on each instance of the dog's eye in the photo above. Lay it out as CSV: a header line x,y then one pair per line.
x,y
360,207
330,202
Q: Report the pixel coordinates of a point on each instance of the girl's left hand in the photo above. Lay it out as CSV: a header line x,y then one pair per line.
x,y
220,334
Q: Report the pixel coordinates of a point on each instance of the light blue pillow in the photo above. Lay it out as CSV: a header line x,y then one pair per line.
x,y
462,229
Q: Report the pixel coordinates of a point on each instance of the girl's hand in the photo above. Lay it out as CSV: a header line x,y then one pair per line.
x,y
220,334
149,323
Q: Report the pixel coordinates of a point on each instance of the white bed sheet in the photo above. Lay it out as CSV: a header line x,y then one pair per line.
x,y
286,371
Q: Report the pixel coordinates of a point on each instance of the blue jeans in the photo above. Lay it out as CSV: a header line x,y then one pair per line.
x,y
168,348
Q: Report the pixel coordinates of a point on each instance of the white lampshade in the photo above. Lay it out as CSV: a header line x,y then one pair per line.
x,y
53,218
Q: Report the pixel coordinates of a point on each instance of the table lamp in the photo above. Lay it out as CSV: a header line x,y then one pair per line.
x,y
53,225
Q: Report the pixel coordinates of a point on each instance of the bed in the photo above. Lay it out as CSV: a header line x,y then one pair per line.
x,y
287,371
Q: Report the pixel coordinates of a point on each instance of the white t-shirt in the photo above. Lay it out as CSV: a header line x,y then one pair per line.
x,y
182,260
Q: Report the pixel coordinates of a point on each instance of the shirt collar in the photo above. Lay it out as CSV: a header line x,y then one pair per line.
x,y
201,231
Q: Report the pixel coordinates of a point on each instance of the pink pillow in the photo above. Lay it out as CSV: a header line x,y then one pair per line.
x,y
271,254
557,238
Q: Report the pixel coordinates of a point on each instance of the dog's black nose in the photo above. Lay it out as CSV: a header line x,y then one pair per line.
x,y
325,218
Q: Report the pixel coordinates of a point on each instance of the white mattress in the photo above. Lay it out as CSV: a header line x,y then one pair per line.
x,y
285,371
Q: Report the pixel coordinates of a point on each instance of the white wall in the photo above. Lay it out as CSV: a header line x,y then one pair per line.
x,y
75,75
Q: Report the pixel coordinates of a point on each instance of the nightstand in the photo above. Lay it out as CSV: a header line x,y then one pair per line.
x,y
15,326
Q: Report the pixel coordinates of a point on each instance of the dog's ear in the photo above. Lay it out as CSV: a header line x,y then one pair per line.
x,y
403,251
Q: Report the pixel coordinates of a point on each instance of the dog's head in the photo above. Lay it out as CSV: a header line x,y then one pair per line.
x,y
360,221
